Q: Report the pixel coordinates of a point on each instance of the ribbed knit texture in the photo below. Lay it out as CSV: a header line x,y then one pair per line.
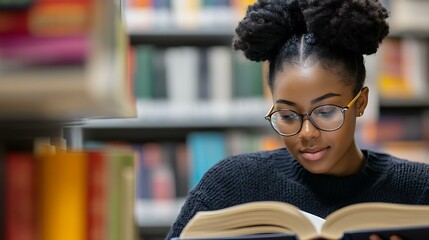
x,y
277,176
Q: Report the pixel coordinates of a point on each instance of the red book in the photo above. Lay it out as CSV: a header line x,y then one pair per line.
x,y
13,22
20,196
97,196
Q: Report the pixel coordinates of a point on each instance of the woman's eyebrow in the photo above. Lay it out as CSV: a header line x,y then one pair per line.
x,y
314,101
321,98
287,102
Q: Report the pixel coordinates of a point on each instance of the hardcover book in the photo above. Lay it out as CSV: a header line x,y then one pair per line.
x,y
278,220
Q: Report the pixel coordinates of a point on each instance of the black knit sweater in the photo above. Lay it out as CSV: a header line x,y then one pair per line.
x,y
277,176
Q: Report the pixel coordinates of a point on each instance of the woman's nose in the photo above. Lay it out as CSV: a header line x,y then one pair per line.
x,y
308,130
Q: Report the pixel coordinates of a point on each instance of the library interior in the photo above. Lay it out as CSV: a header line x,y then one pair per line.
x,y
111,111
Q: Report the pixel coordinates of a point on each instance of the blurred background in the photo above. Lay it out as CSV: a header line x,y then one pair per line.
x,y
112,110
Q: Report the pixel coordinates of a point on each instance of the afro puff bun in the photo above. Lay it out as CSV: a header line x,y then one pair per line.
x,y
358,26
355,25
266,27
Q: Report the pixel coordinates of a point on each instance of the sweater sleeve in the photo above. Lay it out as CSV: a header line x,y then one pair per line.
x,y
216,189
425,192
192,205
425,196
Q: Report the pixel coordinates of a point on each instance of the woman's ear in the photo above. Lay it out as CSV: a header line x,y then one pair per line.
x,y
362,101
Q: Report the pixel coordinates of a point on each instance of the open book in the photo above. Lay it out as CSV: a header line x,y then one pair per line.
x,y
285,221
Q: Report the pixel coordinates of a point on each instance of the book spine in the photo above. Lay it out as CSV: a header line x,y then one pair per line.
x,y
20,197
206,149
96,196
44,50
62,196
60,18
144,72
13,23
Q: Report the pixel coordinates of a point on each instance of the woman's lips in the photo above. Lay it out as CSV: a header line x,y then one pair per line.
x,y
314,154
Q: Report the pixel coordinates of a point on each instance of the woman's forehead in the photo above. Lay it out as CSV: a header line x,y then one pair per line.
x,y
307,77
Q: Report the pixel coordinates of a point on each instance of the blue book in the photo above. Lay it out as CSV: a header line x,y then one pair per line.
x,y
206,149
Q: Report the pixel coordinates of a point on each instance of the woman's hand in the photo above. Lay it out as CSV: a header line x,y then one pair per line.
x,y
375,237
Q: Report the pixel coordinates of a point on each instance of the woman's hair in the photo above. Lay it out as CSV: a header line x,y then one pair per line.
x,y
335,31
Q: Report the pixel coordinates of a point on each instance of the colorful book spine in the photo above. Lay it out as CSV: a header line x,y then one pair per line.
x,y
61,184
206,149
28,50
97,196
120,206
20,197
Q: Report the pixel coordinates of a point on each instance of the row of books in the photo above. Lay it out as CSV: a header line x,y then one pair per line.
x,y
46,17
184,14
403,133
189,74
403,70
168,170
45,33
143,15
53,193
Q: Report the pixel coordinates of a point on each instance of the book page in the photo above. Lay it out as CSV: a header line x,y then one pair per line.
x,y
315,220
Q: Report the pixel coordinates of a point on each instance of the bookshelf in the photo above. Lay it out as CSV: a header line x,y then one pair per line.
x,y
61,63
163,122
402,128
169,121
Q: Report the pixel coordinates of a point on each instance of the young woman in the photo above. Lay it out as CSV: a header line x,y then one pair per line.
x,y
316,76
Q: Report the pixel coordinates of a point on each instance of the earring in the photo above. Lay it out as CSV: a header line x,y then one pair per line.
x,y
360,114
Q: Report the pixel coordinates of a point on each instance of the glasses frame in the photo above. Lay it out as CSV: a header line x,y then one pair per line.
x,y
304,116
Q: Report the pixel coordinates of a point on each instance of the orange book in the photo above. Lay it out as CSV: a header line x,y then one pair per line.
x,y
61,183
61,18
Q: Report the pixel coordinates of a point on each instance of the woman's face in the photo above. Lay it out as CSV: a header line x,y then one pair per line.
x,y
303,87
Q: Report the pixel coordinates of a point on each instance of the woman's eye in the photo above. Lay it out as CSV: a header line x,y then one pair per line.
x,y
288,117
325,111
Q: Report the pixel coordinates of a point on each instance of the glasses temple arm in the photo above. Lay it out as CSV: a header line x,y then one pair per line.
x,y
267,116
354,99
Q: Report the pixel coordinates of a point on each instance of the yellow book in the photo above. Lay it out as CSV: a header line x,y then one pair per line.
x,y
278,220
62,195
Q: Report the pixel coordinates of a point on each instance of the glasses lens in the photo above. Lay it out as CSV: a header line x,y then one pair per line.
x,y
286,122
328,117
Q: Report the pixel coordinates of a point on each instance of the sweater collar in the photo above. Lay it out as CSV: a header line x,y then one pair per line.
x,y
333,187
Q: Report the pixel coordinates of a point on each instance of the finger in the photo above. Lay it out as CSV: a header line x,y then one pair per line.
x,y
395,237
376,237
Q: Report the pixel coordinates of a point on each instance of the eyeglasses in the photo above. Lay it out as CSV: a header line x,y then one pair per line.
x,y
327,117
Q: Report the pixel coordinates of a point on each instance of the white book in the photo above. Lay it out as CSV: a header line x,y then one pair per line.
x,y
182,75
220,73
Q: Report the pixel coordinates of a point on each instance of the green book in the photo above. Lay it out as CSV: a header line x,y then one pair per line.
x,y
144,75
121,193
248,78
